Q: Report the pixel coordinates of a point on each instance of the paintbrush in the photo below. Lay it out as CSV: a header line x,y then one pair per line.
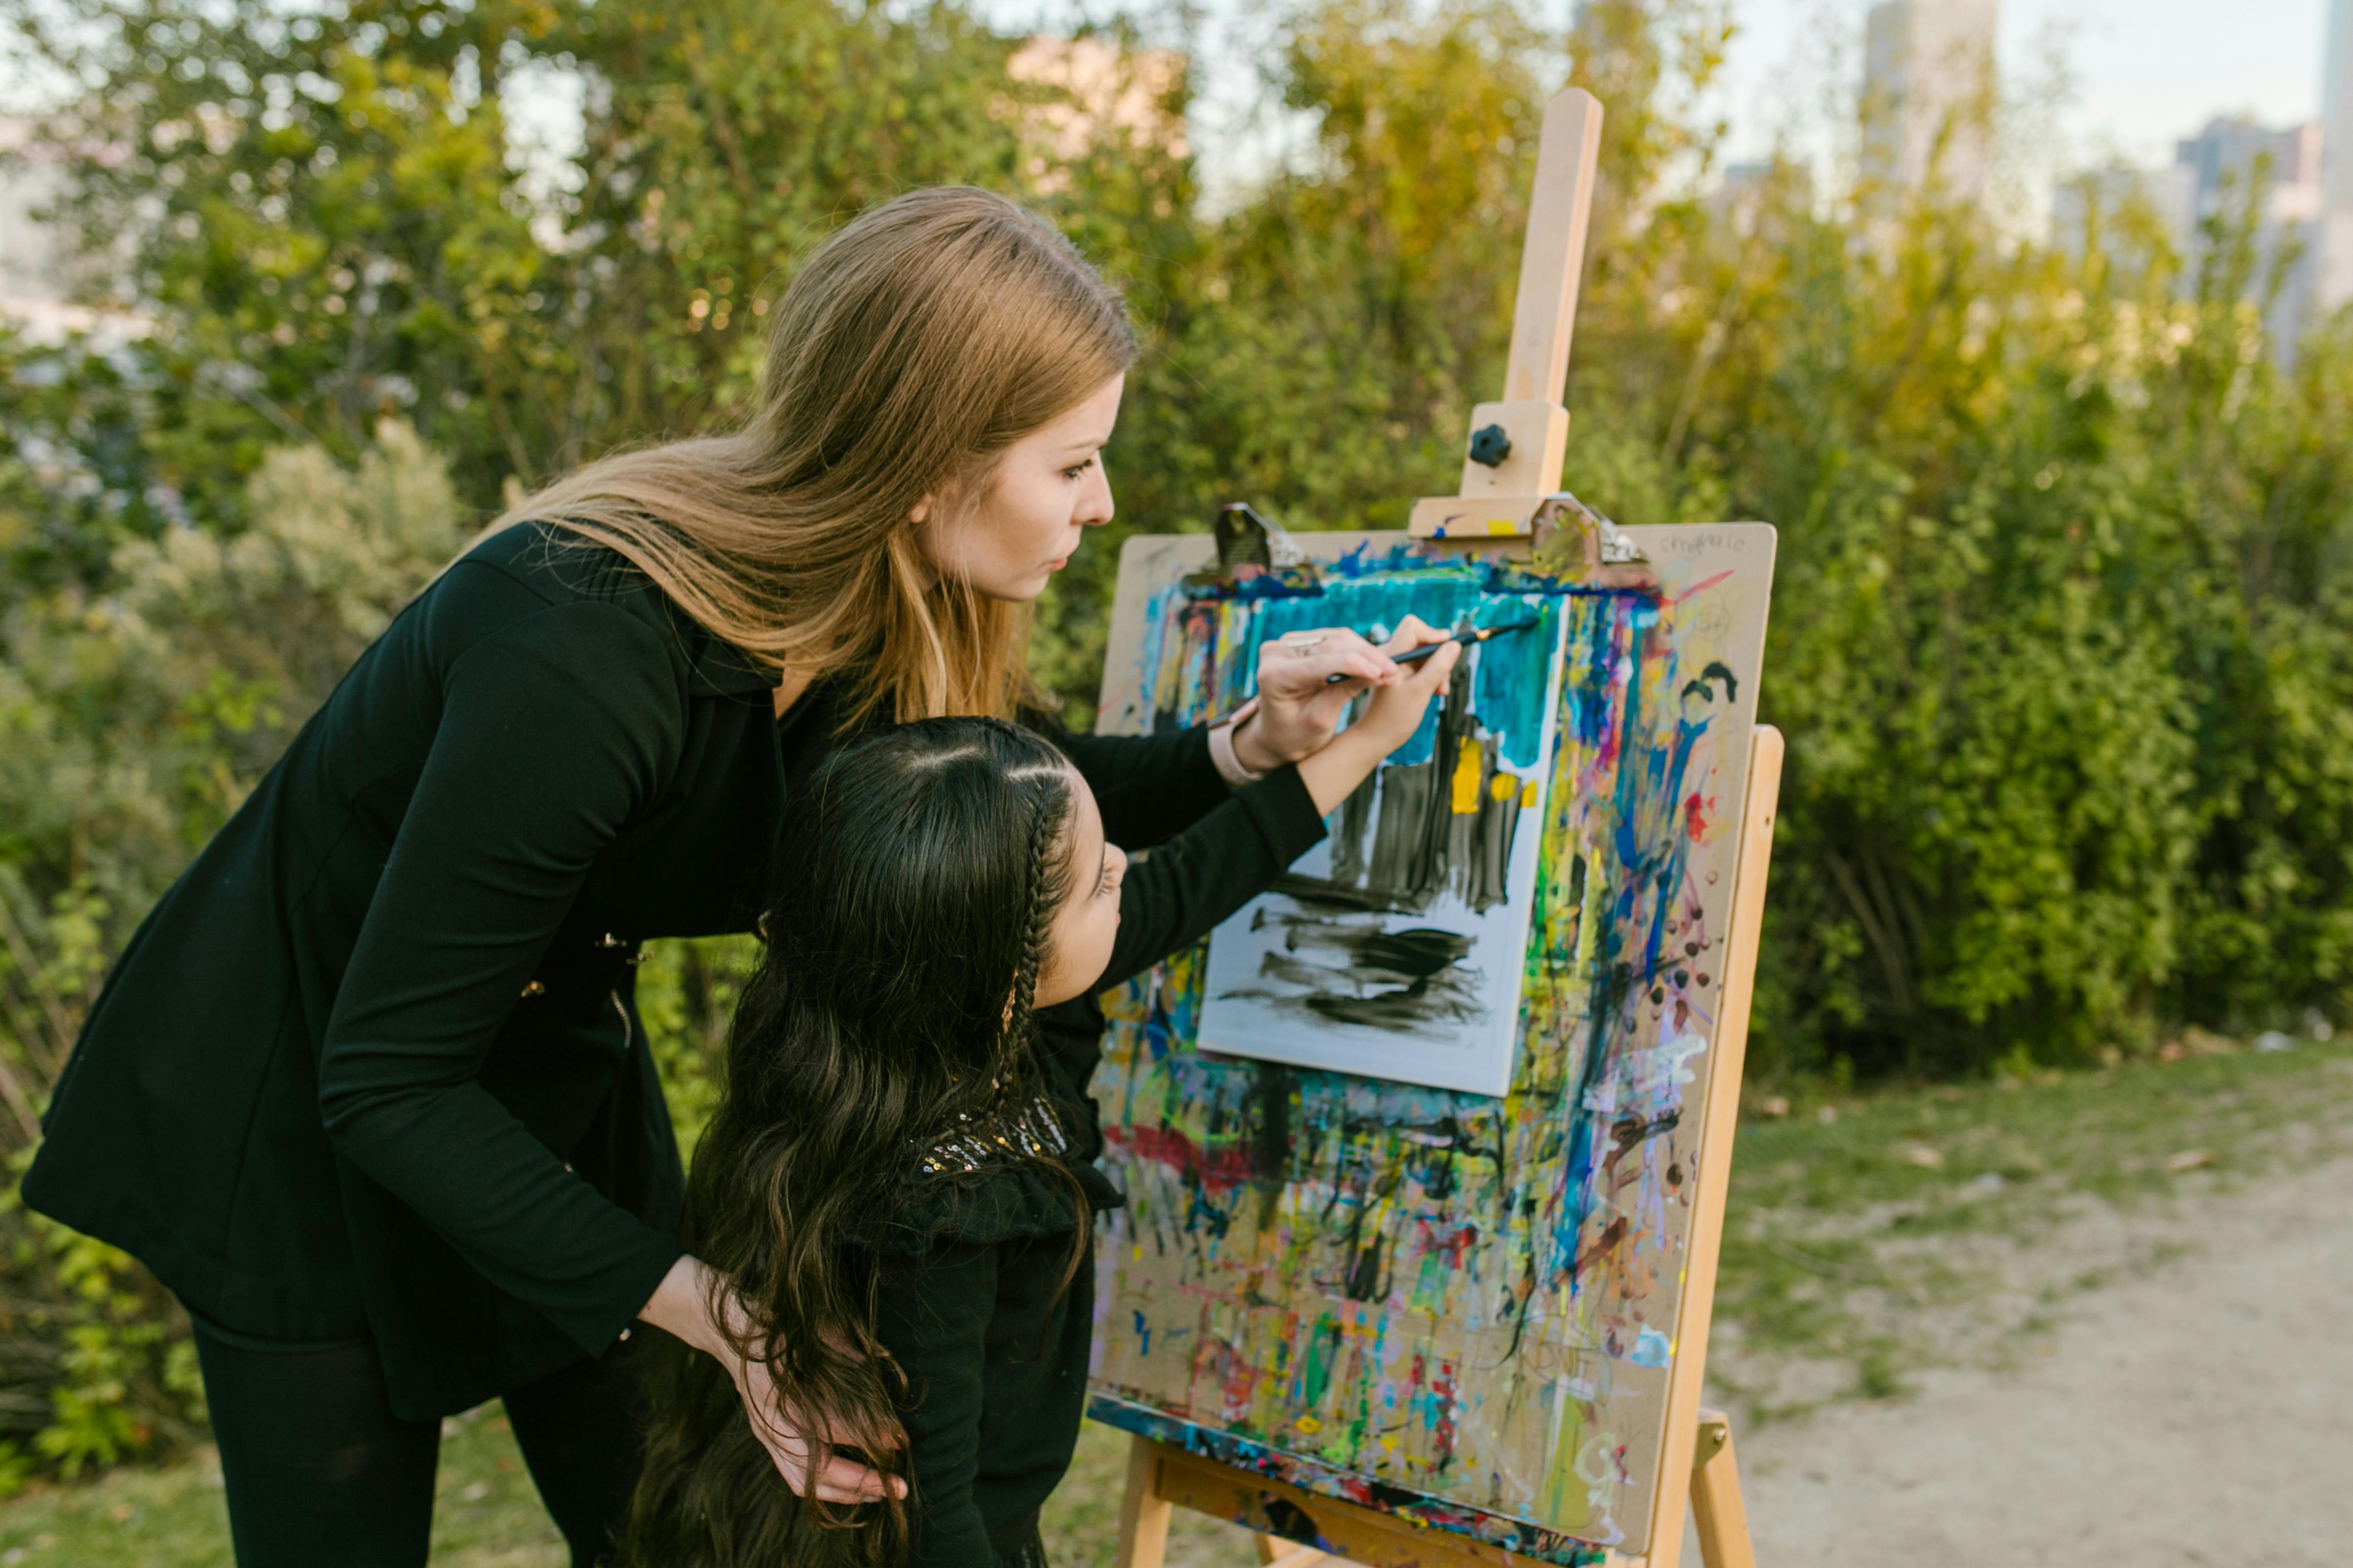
x,y
1478,636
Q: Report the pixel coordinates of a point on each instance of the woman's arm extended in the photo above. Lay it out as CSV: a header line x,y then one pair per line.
x,y
1178,893
553,731
1150,787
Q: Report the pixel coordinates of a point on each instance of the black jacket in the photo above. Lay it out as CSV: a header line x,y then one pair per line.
x,y
373,1068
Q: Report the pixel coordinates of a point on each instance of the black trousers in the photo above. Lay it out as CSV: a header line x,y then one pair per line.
x,y
322,1474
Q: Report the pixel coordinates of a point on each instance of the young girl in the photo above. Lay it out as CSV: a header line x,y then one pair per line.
x,y
899,1179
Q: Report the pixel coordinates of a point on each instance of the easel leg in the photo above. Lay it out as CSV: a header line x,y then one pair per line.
x,y
1274,1552
1718,1515
1144,1513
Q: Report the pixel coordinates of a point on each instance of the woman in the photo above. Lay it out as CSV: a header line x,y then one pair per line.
x,y
367,1089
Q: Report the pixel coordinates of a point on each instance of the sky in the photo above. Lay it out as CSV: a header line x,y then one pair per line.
x,y
2147,73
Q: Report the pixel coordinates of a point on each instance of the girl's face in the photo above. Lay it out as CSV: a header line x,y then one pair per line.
x,y
1046,491
1079,943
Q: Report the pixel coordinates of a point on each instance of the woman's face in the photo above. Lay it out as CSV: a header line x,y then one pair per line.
x,y
1044,493
1079,943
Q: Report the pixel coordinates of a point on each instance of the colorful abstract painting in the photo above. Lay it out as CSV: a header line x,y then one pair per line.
x,y
1458,1306
1392,950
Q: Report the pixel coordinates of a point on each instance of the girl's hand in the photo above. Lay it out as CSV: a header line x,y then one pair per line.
x,y
799,1442
1388,721
1297,707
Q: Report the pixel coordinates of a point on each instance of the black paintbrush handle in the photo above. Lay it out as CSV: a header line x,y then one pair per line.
x,y
1416,656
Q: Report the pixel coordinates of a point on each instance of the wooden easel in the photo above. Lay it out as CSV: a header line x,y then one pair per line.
x,y
1699,1465
1517,447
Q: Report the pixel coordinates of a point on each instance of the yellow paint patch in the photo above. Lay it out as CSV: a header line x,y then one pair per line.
x,y
1502,785
1466,780
1308,1423
1567,1502
1528,795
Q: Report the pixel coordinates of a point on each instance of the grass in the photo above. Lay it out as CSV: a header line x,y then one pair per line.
x,y
1865,1229
486,1513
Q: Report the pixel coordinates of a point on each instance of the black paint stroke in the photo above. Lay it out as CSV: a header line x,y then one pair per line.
x,y
1400,842
1385,979
1398,846
1715,670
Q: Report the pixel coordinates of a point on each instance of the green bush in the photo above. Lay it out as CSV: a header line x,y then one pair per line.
x,y
133,722
686,994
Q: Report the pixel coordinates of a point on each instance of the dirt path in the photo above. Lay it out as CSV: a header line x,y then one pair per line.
x,y
2200,1411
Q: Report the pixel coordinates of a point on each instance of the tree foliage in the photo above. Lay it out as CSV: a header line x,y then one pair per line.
x,y
131,722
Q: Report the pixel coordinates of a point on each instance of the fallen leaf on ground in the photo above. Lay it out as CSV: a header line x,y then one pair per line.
x,y
2190,1160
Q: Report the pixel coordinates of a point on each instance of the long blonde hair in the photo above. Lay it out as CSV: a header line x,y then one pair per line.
x,y
913,349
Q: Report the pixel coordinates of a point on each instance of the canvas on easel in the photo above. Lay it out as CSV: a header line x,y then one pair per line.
x,y
1388,1289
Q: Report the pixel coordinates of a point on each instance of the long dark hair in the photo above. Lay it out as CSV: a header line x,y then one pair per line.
x,y
914,889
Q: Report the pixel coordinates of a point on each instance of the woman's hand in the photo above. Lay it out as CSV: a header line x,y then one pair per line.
x,y
799,1442
1388,721
1297,705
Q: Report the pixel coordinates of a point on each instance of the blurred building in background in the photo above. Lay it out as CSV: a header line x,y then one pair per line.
x,y
1745,195
32,264
2292,186
1928,87
38,266
1092,94
2117,199
2332,286
2234,162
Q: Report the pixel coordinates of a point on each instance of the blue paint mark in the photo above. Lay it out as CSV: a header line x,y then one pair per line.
x,y
1651,1348
1510,677
1143,1332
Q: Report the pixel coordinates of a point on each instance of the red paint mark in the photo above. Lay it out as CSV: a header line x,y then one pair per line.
x,y
1225,1169
1694,819
1453,1244
1236,1386
1701,587
1441,1404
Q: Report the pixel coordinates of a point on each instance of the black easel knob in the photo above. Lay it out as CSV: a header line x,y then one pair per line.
x,y
1490,446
